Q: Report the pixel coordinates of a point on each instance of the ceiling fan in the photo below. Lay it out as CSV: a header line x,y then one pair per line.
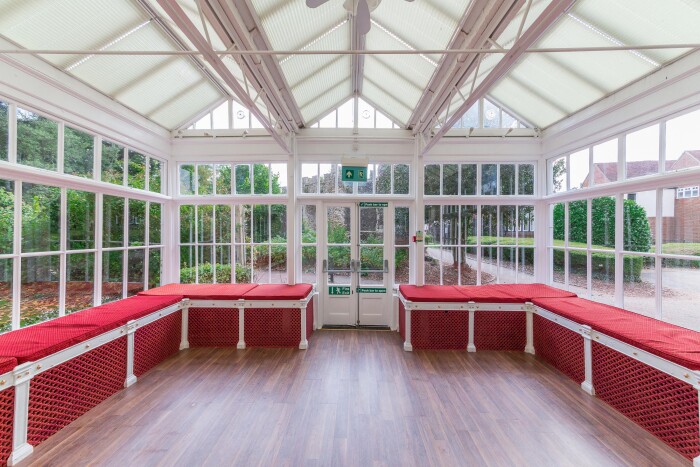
x,y
359,8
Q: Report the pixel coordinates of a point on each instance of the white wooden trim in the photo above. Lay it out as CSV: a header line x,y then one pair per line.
x,y
184,336
470,342
20,447
130,352
241,328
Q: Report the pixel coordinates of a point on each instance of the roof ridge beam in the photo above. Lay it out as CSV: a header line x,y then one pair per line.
x,y
176,13
549,16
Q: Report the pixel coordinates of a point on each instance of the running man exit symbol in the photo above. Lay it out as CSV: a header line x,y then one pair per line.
x,y
348,174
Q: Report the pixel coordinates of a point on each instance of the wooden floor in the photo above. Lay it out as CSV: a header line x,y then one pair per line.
x,y
354,398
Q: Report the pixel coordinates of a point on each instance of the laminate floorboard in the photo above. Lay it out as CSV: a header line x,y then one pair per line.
x,y
354,398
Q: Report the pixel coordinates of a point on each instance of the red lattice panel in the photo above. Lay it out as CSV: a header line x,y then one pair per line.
x,y
664,406
213,327
439,329
62,394
309,319
499,330
7,411
273,327
560,347
157,341
402,321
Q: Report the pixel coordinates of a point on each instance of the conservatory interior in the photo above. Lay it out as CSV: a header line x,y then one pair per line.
x,y
370,232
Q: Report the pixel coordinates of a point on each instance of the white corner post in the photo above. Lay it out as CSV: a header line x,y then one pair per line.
x,y
529,328
470,343
185,328
587,384
20,447
130,332
241,328
407,346
303,343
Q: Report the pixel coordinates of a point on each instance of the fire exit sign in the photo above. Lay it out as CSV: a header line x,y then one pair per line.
x,y
338,290
354,174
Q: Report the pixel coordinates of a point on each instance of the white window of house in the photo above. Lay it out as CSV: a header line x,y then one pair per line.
x,y
688,192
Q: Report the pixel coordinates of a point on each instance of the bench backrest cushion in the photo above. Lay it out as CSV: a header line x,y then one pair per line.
x,y
202,291
432,293
511,293
7,364
278,292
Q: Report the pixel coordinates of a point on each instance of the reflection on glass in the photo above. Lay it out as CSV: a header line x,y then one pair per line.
x,y
112,279
681,293
80,278
488,179
135,271
557,174
39,295
187,179
603,267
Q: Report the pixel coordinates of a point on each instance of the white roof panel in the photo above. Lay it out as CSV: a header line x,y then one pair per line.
x,y
327,101
198,96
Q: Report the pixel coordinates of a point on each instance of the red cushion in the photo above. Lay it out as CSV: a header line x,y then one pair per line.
x,y
666,340
511,293
41,340
279,292
432,293
7,364
203,291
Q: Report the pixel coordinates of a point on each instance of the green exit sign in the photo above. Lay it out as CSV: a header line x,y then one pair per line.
x,y
354,174
338,290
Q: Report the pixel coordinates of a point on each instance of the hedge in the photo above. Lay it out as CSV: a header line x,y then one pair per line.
x,y
602,265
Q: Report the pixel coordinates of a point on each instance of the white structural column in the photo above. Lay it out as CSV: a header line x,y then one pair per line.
x,y
407,346
303,343
185,328
529,328
20,447
130,350
470,343
241,328
587,384
420,211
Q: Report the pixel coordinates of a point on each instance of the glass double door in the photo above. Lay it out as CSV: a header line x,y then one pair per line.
x,y
356,283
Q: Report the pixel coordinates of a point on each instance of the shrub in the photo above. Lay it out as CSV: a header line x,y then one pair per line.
x,y
206,274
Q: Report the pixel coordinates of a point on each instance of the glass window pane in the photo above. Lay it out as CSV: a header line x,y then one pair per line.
x,y
526,225
244,267
243,179
261,173
37,140
41,218
488,179
579,169
205,179
402,226
367,187
338,225
507,179
7,216
308,224
605,162
343,187
432,230
401,179
135,272
137,170
261,264
187,179
205,268
205,223
507,265
308,264
78,152
81,220
346,115
278,263
5,294
682,139
222,222
383,179
432,179
578,272
278,223
113,221
639,283
137,222
526,265
261,223
188,261
39,295
327,178
222,264
578,223
155,267
433,272
450,179
681,221
338,259
401,265
112,278
468,225
155,176
309,178
112,163
492,115
155,223
639,213
278,172
242,231
4,140
468,180
558,267
642,152
507,232
371,226
681,292
603,267
187,225
489,225
489,264
558,222
526,179
220,117
467,267
557,174
450,225
603,222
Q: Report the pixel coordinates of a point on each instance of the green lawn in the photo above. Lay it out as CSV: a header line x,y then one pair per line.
x,y
689,249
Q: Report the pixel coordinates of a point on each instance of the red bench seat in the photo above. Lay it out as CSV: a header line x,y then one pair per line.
x,y
432,293
41,340
7,364
202,291
511,293
666,340
278,292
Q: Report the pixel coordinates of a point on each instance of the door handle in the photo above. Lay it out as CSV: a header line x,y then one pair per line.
x,y
386,266
325,266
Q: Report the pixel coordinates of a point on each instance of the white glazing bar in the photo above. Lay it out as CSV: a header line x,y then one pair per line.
x,y
303,344
130,350
587,384
20,447
241,328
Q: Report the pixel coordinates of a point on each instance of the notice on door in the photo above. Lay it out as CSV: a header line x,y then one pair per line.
x,y
374,204
338,290
371,290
